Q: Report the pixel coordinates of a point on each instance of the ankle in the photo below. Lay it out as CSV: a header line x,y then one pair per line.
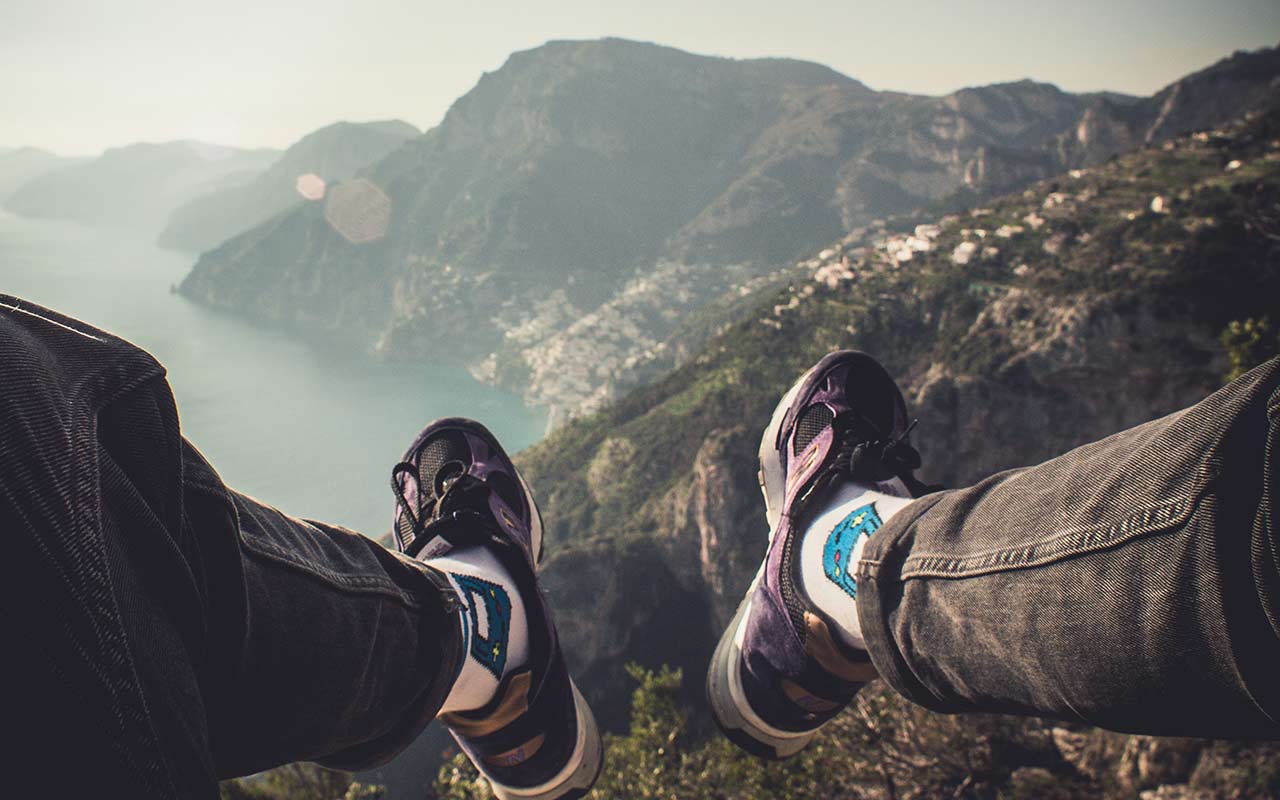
x,y
494,625
831,545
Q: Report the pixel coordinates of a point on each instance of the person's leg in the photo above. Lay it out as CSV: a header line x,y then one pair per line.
x,y
1130,584
164,631
328,646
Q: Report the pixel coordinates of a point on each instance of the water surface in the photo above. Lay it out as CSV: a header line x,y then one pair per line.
x,y
307,426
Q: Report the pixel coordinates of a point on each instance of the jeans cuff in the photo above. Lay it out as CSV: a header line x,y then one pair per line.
x,y
443,626
879,592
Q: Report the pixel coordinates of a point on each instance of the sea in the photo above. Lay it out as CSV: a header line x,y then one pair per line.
x,y
311,427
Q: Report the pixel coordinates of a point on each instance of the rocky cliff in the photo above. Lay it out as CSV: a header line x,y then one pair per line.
x,y
580,203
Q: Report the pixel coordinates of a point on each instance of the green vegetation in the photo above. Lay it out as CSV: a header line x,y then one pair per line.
x,y
1249,342
883,747
299,782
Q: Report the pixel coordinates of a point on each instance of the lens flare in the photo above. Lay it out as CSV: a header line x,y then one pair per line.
x,y
311,186
358,210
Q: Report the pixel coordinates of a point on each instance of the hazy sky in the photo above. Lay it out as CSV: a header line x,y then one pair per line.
x,y
80,75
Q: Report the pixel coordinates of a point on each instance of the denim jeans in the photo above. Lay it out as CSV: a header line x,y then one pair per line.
x,y
163,631
1132,583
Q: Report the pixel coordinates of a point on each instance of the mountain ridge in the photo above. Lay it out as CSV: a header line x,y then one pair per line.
x,y
136,185
585,184
20,165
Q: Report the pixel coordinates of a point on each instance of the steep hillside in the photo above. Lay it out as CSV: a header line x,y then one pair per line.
x,y
1049,318
137,186
580,202
333,153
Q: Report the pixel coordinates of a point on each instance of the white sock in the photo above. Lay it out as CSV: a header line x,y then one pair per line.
x,y
494,625
831,546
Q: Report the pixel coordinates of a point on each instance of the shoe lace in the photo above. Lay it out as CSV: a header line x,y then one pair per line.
x,y
887,456
452,512
865,452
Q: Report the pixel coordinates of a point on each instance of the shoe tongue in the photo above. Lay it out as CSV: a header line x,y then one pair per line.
x,y
446,476
462,493
860,427
874,394
441,460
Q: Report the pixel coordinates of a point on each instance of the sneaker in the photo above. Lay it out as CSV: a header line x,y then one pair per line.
x,y
536,739
778,673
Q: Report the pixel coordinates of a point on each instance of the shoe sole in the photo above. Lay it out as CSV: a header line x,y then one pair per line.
x,y
770,475
578,775
470,425
729,706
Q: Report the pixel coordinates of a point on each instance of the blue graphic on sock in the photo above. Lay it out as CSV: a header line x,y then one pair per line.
x,y
489,650
837,553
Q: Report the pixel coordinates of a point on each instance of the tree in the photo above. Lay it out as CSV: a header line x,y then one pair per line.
x,y
1249,342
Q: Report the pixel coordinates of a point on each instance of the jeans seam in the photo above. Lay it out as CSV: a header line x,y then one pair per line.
x,y
1265,548
1067,544
350,584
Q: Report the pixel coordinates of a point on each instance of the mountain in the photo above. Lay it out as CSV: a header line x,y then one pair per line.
x,y
1044,319
21,164
1083,305
333,153
137,186
581,201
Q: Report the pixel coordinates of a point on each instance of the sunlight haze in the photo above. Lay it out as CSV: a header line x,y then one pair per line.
x,y
78,76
